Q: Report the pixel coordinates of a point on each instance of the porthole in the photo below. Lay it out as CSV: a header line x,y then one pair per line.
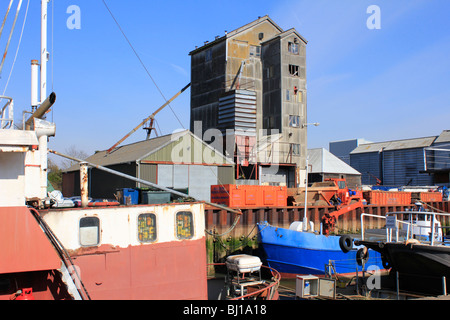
x,y
89,231
184,225
147,231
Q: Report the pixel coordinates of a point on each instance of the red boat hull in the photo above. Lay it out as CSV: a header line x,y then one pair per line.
x,y
166,271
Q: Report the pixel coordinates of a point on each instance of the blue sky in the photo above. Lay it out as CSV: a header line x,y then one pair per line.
x,y
386,84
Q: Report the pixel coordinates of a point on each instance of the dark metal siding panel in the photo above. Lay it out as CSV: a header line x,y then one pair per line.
x,y
71,184
403,167
104,184
207,79
271,108
369,165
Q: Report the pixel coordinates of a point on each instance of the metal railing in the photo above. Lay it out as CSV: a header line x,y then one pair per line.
x,y
7,113
412,229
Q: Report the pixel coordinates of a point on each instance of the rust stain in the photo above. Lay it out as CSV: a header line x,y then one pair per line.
x,y
84,251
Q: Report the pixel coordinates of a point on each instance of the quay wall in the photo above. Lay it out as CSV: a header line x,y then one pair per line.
x,y
243,237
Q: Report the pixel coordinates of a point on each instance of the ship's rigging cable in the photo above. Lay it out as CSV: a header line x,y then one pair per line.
x,y
10,35
59,247
18,47
140,60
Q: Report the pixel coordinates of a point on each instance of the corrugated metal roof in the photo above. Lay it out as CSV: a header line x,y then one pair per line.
x,y
370,147
323,161
443,137
136,151
410,143
394,145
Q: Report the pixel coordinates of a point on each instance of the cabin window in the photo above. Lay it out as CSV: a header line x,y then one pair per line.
x,y
185,225
341,185
147,227
89,231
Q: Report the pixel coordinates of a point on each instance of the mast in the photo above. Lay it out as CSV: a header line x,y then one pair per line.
x,y
44,52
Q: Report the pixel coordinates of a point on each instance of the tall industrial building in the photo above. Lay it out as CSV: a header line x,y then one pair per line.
x,y
248,96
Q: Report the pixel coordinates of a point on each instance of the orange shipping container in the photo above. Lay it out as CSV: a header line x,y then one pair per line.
x,y
430,196
379,197
236,196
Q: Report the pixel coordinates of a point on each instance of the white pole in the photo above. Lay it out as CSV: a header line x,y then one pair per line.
x,y
44,52
43,146
34,83
305,219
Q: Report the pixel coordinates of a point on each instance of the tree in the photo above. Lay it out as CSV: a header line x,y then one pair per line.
x,y
54,175
55,171
73,152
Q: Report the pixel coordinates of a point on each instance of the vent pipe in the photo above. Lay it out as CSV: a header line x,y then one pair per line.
x,y
34,84
39,113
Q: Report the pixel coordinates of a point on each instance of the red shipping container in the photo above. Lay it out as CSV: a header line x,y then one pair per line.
x,y
379,197
430,196
236,196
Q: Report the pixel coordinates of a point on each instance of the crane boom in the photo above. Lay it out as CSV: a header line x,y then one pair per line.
x,y
148,118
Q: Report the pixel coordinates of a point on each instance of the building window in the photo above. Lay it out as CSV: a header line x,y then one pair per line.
x,y
295,149
293,70
208,55
294,121
269,72
255,51
147,227
89,231
299,96
288,95
293,48
185,225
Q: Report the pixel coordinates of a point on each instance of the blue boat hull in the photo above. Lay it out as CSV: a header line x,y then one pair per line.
x,y
295,252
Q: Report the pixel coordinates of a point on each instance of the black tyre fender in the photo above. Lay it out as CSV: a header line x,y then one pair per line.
x,y
346,243
362,255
